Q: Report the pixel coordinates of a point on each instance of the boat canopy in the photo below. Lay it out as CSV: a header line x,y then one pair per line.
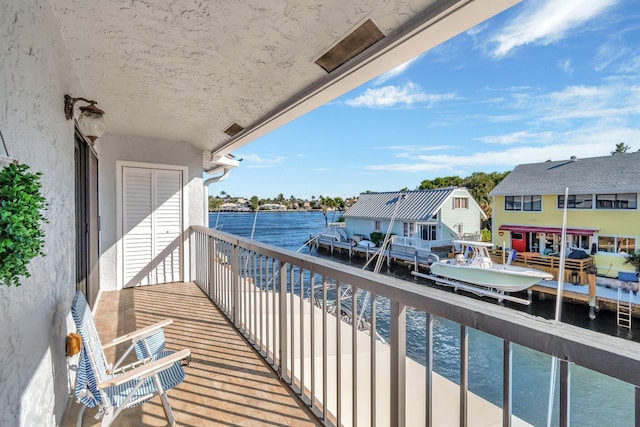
x,y
548,230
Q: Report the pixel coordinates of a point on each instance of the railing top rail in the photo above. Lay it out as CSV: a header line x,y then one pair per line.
x,y
609,355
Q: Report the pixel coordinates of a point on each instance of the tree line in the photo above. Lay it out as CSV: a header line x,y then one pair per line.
x,y
321,202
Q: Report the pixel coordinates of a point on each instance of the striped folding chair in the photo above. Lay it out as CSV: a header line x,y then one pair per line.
x,y
114,389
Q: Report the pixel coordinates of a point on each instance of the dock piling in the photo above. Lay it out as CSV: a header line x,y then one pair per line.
x,y
591,280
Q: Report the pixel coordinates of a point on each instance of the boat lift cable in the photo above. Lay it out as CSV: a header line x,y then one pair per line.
x,y
558,314
381,254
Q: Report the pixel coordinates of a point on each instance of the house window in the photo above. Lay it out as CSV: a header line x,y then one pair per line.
x,y
429,232
617,201
409,229
616,245
523,203
460,203
576,201
376,226
531,203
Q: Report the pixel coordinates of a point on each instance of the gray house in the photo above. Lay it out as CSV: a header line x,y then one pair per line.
x,y
423,218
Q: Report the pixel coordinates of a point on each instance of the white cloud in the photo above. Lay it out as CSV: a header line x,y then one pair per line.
x,y
391,96
520,137
395,72
593,141
415,148
610,52
256,161
613,100
546,21
566,66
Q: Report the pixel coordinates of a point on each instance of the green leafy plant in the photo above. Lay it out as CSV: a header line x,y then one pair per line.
x,y
21,220
634,260
376,238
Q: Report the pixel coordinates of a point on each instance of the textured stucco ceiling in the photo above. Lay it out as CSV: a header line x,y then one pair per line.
x,y
186,70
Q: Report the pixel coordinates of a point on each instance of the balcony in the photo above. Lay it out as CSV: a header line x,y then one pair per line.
x,y
227,383
268,353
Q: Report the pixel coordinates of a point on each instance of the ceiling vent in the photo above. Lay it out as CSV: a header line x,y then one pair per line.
x,y
234,129
363,37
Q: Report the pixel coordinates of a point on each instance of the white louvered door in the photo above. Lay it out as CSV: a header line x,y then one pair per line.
x,y
167,225
152,225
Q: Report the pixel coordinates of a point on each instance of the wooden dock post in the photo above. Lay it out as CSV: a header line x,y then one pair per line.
x,y
591,280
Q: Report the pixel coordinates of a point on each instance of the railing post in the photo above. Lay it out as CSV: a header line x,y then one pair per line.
x,y
398,363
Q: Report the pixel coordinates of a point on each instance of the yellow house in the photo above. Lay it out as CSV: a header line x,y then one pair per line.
x,y
603,219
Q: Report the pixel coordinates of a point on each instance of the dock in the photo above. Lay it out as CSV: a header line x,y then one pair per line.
x,y
417,258
624,302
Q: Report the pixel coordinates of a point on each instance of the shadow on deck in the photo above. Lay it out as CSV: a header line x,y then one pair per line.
x,y
227,383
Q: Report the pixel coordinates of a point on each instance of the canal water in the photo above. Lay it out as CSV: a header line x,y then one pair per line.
x,y
595,400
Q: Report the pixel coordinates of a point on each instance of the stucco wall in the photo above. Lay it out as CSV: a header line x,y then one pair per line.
x,y
35,73
112,148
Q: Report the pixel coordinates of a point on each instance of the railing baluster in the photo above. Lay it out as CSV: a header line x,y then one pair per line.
x,y
354,354
637,406
428,369
267,301
313,337
236,268
254,292
565,397
302,334
398,363
290,318
275,311
282,336
338,354
507,406
464,374
324,349
373,366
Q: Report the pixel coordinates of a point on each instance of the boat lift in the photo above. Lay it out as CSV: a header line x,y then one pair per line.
x,y
485,292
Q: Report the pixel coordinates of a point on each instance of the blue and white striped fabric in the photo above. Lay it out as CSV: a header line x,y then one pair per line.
x,y
155,344
92,366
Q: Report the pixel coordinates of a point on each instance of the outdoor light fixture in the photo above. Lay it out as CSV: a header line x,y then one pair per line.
x,y
91,120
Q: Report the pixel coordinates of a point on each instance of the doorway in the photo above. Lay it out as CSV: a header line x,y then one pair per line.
x,y
87,219
150,226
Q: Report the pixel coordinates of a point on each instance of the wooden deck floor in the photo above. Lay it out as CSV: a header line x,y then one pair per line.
x,y
226,384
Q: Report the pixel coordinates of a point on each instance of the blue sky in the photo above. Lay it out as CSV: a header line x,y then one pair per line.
x,y
544,80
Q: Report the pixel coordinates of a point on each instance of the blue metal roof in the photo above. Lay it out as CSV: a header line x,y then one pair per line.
x,y
416,205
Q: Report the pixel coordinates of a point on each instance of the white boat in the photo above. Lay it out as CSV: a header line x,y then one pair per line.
x,y
476,268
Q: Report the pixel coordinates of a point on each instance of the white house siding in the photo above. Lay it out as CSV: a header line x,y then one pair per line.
x,y
112,148
35,73
365,226
469,218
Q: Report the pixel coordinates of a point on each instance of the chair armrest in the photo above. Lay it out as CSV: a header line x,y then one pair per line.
x,y
147,370
142,332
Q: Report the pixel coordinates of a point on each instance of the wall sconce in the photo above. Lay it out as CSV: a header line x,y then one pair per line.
x,y
91,120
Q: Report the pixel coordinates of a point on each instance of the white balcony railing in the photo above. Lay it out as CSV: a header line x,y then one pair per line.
x,y
418,244
348,376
